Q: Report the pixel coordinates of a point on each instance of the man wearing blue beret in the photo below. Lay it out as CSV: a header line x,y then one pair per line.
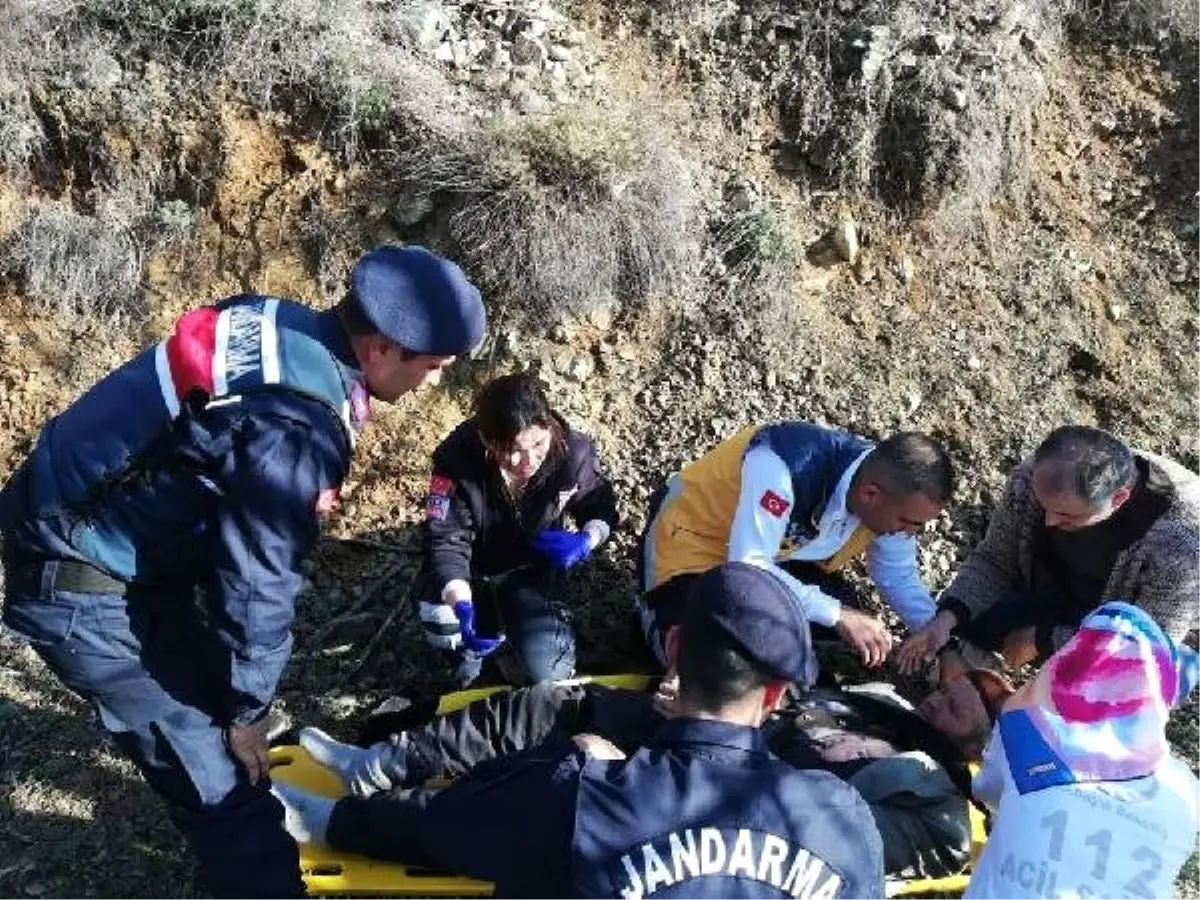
x,y
703,809
152,540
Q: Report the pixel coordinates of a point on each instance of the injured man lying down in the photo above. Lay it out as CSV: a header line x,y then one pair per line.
x,y
909,764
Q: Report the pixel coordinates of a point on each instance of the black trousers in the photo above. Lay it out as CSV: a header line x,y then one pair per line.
x,y
1043,610
452,745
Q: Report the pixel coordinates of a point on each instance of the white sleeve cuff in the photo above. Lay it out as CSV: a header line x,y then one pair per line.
x,y
597,532
455,590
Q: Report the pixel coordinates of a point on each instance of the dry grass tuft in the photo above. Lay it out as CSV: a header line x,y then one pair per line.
x,y
563,212
877,115
349,65
1133,21
755,247
78,266
33,39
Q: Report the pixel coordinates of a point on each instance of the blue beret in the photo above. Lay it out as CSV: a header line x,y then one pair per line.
x,y
419,300
759,615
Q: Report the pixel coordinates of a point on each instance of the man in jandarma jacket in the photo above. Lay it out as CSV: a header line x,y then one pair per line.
x,y
153,538
702,809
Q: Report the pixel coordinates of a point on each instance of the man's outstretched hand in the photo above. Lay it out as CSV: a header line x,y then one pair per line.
x,y
923,644
867,635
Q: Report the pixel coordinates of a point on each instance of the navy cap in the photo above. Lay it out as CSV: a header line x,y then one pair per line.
x,y
419,300
759,615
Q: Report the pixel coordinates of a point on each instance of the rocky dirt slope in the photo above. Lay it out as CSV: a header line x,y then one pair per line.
x,y
649,191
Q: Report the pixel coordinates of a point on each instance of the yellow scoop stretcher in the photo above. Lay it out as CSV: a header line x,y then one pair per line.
x,y
332,873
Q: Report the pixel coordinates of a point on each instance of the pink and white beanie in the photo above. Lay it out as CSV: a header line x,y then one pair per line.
x,y
1098,709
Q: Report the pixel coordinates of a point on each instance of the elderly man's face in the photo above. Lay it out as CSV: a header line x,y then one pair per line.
x,y
1066,510
958,711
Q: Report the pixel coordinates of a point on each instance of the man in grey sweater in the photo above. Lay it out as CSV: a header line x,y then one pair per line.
x,y
1084,521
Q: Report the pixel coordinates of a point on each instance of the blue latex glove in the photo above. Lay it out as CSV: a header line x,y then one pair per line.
x,y
477,644
563,548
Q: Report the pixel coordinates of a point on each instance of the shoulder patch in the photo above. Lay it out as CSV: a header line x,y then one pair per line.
x,y
774,504
440,485
438,507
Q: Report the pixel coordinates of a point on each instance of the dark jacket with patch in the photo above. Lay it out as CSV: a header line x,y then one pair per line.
x,y
473,526
702,810
164,475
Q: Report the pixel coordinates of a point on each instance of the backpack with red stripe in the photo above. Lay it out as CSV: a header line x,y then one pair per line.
x,y
239,347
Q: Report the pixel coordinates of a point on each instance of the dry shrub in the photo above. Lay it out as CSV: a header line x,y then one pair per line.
x,y
753,248
350,64
892,134
78,266
1133,21
21,133
698,19
754,256
34,35
562,212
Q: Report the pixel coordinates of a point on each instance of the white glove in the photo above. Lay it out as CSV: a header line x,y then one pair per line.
x,y
441,625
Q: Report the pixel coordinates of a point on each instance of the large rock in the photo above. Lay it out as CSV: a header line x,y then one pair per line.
x,y
412,209
955,96
839,244
528,51
100,71
935,43
492,79
427,25
876,45
531,103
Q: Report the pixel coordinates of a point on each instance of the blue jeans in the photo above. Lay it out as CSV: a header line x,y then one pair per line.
x,y
152,671
525,605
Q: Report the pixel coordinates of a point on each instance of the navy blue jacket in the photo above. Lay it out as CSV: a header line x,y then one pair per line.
x,y
472,525
702,810
223,495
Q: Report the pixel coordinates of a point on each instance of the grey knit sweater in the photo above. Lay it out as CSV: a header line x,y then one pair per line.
x,y
1160,572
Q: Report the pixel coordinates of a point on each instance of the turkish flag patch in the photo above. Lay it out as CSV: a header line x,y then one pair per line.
x,y
774,504
440,485
437,508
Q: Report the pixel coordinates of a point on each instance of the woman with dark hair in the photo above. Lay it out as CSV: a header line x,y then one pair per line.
x,y
504,483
